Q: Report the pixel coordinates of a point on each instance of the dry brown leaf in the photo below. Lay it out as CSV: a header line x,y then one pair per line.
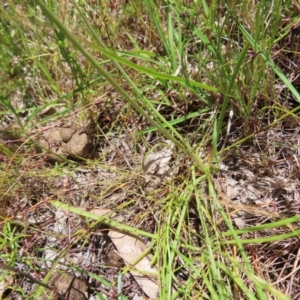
x,y
158,162
130,248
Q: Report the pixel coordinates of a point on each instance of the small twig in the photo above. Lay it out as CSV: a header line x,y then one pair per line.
x,y
228,128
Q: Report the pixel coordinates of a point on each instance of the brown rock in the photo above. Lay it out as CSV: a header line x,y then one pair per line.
x,y
66,133
51,140
67,285
79,145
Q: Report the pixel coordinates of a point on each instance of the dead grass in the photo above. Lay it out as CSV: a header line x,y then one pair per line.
x,y
234,239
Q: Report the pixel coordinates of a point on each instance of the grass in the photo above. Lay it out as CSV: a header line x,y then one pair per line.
x,y
216,78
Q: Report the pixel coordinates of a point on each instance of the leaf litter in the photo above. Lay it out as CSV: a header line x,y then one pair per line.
x,y
258,182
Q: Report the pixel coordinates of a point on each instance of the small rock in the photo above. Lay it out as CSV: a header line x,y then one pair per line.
x,y
67,285
66,141
66,134
79,145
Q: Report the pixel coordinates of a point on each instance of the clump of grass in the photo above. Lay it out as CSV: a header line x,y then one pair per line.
x,y
208,76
